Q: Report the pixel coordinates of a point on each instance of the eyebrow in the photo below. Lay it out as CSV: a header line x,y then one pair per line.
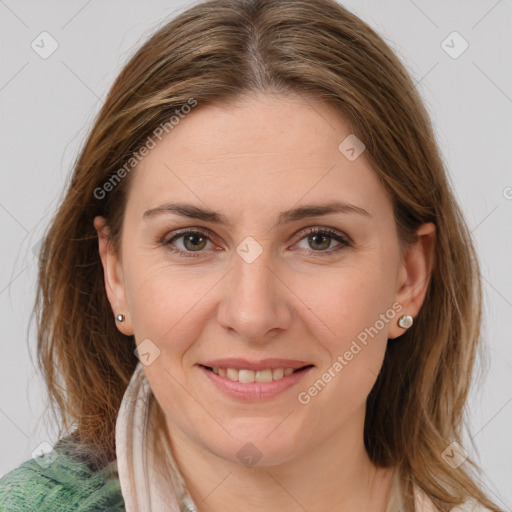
x,y
302,212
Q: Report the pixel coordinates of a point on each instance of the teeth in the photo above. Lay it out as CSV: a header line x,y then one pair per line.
x,y
232,374
248,376
277,373
263,376
245,375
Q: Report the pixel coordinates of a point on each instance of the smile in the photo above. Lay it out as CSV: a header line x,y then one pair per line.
x,y
247,384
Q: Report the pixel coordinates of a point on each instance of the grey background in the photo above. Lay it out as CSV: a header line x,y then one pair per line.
x,y
47,106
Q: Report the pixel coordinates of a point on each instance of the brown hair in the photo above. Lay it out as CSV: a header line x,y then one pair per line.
x,y
215,52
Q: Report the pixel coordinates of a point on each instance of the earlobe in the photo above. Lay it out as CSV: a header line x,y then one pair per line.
x,y
114,285
414,276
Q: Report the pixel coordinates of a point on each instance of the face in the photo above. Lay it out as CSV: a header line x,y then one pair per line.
x,y
262,282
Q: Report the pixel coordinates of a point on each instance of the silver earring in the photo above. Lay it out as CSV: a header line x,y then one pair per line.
x,y
405,321
120,318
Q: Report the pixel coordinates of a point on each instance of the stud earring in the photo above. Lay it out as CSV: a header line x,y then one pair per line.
x,y
120,318
405,321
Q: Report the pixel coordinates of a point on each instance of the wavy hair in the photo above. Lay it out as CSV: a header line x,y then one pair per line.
x,y
218,51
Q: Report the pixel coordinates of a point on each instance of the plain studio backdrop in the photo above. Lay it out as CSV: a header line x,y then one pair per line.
x,y
51,91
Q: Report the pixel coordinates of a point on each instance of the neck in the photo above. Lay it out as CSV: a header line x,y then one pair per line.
x,y
336,474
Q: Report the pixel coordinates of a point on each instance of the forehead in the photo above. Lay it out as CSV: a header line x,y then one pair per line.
x,y
261,153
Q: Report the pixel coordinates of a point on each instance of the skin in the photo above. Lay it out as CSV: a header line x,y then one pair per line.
x,y
300,299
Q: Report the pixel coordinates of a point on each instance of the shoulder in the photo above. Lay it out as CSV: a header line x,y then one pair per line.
x,y
59,482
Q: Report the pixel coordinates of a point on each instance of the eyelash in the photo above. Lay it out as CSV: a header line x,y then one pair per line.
x,y
332,233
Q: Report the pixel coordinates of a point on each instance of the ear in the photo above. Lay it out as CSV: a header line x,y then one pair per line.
x,y
113,275
414,275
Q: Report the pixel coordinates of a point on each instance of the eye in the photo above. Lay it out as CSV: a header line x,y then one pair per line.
x,y
320,239
191,243
188,242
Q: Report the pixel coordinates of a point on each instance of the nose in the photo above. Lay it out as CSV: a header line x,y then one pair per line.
x,y
255,304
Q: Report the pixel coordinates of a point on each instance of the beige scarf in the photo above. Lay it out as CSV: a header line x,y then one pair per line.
x,y
147,490
143,488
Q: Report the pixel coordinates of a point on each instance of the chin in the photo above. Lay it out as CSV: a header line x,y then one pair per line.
x,y
259,450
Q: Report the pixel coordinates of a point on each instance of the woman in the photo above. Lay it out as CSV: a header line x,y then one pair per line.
x,y
258,292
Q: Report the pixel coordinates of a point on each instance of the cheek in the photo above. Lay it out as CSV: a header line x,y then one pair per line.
x,y
359,315
348,302
167,304
352,313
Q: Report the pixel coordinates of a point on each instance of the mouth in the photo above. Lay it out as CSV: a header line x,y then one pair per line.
x,y
248,376
253,385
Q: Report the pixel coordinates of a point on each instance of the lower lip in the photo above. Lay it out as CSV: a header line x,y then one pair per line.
x,y
255,390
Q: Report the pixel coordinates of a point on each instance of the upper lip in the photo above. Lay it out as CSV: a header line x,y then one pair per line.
x,y
262,364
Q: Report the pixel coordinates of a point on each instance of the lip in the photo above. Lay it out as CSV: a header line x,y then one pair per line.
x,y
254,391
262,364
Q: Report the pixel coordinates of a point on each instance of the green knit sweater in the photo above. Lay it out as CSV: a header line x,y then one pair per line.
x,y
61,482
